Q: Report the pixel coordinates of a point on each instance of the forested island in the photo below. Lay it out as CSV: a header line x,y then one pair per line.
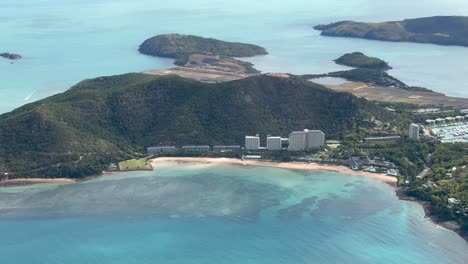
x,y
360,60
440,30
11,56
198,52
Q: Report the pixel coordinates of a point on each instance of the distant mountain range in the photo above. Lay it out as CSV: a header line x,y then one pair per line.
x,y
79,132
440,30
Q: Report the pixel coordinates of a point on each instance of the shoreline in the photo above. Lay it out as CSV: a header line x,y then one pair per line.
x,y
31,181
282,165
451,226
392,181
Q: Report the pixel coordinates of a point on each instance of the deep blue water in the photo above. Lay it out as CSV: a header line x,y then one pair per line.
x,y
65,41
220,214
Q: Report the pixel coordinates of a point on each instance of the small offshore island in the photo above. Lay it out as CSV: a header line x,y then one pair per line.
x,y
204,59
11,56
359,60
440,30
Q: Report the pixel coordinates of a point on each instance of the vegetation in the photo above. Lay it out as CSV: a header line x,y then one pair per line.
x,y
448,178
134,164
110,119
441,30
359,60
369,70
180,47
369,76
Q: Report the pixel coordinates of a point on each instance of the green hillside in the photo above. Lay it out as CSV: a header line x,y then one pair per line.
x,y
180,47
441,30
109,119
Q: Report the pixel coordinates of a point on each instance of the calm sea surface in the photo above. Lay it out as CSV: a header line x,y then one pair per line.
x,y
220,214
65,41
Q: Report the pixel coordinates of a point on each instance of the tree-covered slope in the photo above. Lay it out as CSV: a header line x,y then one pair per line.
x,y
441,30
180,47
77,133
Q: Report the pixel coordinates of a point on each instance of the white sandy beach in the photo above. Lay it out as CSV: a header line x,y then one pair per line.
x,y
283,165
28,181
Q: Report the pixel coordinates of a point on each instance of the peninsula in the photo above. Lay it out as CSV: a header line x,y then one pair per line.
x,y
369,70
200,53
440,30
11,56
370,80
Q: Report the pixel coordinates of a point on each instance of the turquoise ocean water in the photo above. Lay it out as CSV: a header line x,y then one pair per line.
x,y
65,41
220,214
188,214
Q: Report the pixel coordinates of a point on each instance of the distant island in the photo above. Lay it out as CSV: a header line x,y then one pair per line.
x,y
11,56
440,30
206,53
359,60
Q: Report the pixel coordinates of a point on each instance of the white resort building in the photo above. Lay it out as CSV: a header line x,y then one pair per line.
x,y
414,131
252,142
315,139
306,139
274,143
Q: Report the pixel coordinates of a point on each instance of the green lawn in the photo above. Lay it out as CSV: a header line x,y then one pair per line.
x,y
134,164
401,180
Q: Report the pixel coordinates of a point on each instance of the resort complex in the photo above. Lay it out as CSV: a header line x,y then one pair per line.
x,y
298,141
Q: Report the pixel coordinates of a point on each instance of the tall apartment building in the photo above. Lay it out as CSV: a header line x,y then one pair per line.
x,y
414,132
315,139
274,143
252,142
297,141
306,139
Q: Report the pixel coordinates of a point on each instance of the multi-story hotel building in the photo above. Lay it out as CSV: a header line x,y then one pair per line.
x,y
414,131
306,139
252,142
297,141
274,143
315,139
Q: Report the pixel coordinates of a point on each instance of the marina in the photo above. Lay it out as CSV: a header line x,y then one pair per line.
x,y
451,133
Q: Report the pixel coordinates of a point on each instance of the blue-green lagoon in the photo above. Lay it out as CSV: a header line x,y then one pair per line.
x,y
191,213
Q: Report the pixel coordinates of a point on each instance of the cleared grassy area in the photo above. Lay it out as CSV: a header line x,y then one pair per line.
x,y
135,164
401,181
333,146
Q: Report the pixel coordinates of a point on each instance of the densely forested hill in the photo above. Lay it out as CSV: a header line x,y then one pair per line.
x,y
180,47
441,30
360,60
77,133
